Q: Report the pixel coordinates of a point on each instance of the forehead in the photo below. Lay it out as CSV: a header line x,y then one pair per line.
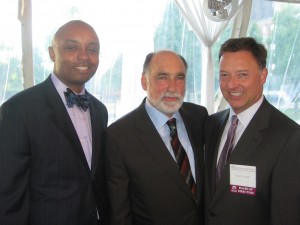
x,y
238,58
167,61
77,32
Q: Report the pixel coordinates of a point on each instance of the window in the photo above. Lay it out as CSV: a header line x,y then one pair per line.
x,y
128,30
277,25
10,51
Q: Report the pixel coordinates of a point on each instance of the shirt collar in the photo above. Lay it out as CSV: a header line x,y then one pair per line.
x,y
158,118
246,116
60,86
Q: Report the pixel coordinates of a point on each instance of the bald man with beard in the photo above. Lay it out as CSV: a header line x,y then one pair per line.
x,y
51,163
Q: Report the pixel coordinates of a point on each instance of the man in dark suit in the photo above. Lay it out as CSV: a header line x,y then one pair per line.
x,y
51,162
145,183
258,181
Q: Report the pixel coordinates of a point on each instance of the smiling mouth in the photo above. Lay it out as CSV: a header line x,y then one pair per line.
x,y
82,68
236,94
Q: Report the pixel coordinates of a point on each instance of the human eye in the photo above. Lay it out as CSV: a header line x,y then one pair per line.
x,y
162,76
180,77
70,47
242,75
93,49
223,76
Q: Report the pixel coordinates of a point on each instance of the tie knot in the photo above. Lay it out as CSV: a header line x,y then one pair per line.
x,y
82,101
172,126
234,120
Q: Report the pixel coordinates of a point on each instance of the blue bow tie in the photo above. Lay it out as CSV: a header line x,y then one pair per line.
x,y
82,101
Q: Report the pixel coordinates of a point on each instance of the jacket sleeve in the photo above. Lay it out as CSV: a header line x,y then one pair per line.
x,y
14,167
285,193
117,184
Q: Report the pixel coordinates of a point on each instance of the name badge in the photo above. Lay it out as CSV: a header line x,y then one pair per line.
x,y
243,179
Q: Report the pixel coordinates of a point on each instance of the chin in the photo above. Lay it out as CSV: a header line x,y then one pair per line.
x,y
171,108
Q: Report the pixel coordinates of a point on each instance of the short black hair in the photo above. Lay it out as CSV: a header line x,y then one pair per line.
x,y
258,50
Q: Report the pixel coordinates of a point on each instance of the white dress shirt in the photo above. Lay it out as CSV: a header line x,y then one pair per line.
x,y
244,119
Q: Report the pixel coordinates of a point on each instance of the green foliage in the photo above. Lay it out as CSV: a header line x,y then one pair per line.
x,y
39,69
215,52
286,38
14,79
173,33
282,37
255,31
111,82
169,33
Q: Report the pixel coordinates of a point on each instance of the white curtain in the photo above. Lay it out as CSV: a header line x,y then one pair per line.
x,y
208,32
25,17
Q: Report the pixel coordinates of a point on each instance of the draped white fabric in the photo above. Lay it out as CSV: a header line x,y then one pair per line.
x,y
208,32
25,17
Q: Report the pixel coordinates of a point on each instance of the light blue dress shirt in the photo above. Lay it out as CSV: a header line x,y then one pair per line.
x,y
159,120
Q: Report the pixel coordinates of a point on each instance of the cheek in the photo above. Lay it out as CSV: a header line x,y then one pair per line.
x,y
181,87
159,85
254,85
157,90
95,60
62,61
222,84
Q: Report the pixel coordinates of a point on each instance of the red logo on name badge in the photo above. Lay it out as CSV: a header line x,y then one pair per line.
x,y
243,190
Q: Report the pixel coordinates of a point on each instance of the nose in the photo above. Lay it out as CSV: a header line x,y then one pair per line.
x,y
232,82
172,85
82,55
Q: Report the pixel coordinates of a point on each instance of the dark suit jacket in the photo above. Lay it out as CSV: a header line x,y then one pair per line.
x,y
144,184
271,143
44,175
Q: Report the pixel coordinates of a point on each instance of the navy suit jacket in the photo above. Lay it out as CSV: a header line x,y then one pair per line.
x,y
44,175
144,183
271,143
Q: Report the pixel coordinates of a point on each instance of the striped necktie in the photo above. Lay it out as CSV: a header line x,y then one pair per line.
x,y
181,156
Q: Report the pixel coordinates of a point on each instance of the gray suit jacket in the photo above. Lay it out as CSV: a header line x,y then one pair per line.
x,y
271,143
44,175
144,184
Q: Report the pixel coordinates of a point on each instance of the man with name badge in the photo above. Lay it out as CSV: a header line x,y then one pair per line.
x,y
252,150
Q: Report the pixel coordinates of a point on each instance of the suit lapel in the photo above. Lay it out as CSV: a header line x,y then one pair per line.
x,y
58,114
215,138
98,124
152,141
246,146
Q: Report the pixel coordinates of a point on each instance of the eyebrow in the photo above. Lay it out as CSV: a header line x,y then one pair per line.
x,y
236,71
70,40
75,41
167,73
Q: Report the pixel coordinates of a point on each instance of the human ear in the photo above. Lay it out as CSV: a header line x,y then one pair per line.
x,y
51,53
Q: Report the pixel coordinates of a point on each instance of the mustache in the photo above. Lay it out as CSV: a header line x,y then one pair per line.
x,y
171,95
